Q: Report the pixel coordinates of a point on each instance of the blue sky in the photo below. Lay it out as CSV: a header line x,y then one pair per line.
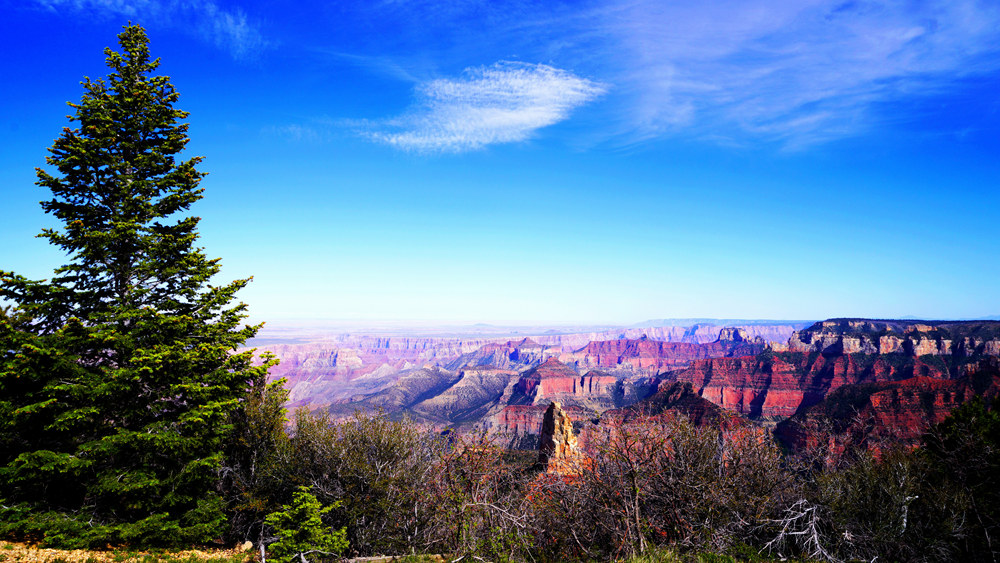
x,y
584,162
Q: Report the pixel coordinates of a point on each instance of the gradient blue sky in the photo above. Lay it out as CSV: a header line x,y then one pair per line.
x,y
599,162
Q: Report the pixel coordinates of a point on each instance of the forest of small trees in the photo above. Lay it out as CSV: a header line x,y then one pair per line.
x,y
129,416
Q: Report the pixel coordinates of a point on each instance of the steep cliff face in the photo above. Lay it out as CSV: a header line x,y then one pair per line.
x,y
526,420
779,384
558,450
961,339
552,379
651,357
879,415
594,391
583,397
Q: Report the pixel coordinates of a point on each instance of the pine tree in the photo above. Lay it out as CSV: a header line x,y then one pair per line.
x,y
300,530
117,377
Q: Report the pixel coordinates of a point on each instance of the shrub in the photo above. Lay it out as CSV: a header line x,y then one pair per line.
x,y
377,467
300,530
480,501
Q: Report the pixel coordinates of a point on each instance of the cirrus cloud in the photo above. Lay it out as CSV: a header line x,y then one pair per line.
x,y
796,71
503,103
228,29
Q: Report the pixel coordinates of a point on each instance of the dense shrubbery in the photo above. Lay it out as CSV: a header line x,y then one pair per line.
x,y
666,482
384,486
648,486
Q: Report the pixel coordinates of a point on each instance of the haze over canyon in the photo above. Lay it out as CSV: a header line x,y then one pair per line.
x,y
836,382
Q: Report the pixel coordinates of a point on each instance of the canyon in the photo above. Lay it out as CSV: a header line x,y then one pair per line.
x,y
322,369
742,375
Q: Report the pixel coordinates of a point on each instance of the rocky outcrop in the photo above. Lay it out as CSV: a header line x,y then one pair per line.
x,y
557,446
582,398
554,380
738,334
964,339
594,391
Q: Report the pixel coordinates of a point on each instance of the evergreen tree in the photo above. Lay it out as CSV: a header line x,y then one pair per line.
x,y
117,377
300,530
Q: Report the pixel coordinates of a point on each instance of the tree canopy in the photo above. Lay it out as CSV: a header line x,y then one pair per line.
x,y
118,375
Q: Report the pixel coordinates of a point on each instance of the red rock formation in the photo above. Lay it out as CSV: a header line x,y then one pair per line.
x,y
651,357
557,448
779,384
528,419
555,381
878,415
677,399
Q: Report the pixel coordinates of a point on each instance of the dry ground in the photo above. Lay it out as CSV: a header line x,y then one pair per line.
x,y
10,552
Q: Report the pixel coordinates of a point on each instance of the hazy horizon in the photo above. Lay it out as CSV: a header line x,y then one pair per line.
x,y
318,328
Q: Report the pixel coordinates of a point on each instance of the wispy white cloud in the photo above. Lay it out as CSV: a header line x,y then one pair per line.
x,y
796,71
294,132
228,29
378,65
502,103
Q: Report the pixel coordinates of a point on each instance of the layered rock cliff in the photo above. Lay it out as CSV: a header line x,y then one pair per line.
x,y
583,397
879,415
594,390
838,352
778,384
650,357
961,339
521,425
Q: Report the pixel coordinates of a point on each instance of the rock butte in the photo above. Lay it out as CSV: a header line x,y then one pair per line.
x,y
557,449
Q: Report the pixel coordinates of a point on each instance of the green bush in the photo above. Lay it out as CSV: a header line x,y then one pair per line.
x,y
377,467
300,530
